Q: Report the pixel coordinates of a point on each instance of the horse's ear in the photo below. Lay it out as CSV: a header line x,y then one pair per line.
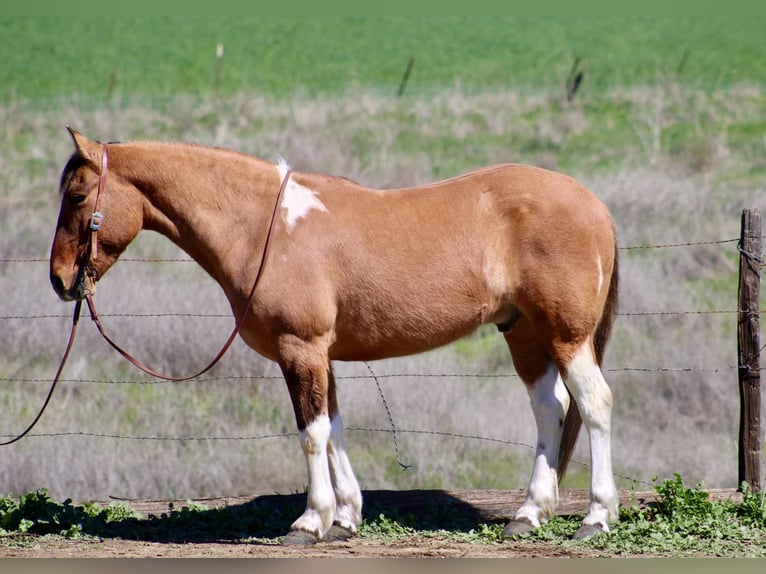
x,y
86,148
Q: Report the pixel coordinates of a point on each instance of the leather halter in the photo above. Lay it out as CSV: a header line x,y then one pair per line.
x,y
97,219
92,253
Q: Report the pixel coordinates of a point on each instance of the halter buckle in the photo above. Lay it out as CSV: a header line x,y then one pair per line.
x,y
96,220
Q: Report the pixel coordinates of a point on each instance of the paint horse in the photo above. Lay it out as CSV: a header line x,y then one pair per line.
x,y
358,274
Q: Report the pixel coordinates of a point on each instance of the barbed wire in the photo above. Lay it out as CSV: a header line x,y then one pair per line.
x,y
226,315
685,244
441,434
122,259
128,315
390,417
682,313
189,260
230,316
376,377
250,378
393,430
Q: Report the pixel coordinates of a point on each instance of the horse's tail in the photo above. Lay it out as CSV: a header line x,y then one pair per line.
x,y
573,421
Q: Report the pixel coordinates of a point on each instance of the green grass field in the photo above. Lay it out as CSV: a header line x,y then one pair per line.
x,y
95,58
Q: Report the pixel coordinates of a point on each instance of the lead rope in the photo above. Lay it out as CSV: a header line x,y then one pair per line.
x,y
75,320
96,221
240,320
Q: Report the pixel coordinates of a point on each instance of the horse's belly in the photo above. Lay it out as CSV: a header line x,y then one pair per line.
x,y
355,348
407,332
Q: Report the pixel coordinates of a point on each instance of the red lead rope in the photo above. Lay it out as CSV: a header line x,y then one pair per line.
x,y
240,319
75,319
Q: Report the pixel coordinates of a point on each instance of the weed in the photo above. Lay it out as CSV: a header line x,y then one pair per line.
x,y
684,522
681,521
36,513
385,528
753,507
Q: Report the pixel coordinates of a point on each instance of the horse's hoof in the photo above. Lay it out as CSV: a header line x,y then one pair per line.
x,y
587,531
517,526
300,538
337,533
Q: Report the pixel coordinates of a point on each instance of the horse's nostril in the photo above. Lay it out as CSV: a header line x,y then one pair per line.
x,y
58,284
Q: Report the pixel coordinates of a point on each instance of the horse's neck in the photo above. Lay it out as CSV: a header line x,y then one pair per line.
x,y
214,204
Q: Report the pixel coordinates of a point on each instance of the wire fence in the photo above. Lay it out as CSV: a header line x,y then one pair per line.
x,y
228,315
393,430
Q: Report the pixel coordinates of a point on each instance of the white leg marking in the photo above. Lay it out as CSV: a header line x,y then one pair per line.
x,y
550,401
594,399
320,504
298,200
348,496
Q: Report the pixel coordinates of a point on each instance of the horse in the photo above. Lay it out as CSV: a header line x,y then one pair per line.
x,y
359,274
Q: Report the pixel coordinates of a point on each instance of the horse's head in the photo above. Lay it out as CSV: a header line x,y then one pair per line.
x,y
79,257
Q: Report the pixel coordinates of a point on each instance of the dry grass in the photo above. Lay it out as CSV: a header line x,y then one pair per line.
x,y
669,192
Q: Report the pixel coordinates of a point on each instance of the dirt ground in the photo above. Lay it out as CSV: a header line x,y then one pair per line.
x,y
415,547
489,506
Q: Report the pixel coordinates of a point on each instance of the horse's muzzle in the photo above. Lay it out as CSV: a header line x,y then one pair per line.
x,y
84,282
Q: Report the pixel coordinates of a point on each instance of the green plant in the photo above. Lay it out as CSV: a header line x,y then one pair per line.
x,y
681,521
385,527
753,507
36,513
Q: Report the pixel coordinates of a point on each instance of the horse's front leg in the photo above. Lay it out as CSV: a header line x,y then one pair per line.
x,y
305,367
348,496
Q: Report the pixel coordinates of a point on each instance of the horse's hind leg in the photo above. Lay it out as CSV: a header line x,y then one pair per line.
x,y
586,382
348,496
542,372
550,400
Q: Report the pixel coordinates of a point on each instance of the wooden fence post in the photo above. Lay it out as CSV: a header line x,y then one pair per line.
x,y
748,349
217,71
406,76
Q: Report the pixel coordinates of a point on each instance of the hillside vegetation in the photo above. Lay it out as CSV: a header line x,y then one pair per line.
x,y
666,127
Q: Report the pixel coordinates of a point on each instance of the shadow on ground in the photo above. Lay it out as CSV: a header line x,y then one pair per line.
x,y
265,517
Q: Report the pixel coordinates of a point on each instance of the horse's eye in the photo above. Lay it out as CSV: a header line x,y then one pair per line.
x,y
77,199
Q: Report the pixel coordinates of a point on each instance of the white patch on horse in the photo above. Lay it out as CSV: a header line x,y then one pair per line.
x,y
348,497
283,167
600,273
550,400
298,200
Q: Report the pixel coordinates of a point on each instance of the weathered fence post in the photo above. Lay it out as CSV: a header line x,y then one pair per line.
x,y
218,64
406,76
748,349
